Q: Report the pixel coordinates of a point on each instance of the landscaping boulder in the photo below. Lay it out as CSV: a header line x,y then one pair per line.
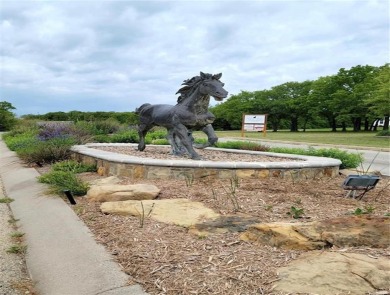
x,y
181,212
117,192
328,273
106,180
342,232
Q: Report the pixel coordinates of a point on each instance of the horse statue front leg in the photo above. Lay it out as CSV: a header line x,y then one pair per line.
x,y
211,137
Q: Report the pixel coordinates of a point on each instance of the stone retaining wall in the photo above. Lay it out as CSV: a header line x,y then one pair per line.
x,y
109,163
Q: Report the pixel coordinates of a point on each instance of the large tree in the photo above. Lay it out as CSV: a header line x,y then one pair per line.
x,y
379,101
323,99
353,88
7,117
294,98
233,108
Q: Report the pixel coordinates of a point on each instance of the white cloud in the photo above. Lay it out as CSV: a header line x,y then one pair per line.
x,y
116,55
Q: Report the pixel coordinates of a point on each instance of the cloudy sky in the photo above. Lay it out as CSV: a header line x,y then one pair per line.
x,y
117,55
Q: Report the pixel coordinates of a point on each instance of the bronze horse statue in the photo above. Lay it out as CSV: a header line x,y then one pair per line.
x,y
190,112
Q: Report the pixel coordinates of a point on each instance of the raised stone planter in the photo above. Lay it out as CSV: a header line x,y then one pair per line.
x,y
110,163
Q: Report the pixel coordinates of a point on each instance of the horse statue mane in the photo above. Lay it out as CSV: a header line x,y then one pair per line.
x,y
191,85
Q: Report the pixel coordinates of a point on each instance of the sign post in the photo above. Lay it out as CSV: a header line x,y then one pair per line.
x,y
253,122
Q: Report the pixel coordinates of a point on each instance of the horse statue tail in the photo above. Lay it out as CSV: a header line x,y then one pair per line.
x,y
138,110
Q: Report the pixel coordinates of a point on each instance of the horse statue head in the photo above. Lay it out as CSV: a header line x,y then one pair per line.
x,y
206,84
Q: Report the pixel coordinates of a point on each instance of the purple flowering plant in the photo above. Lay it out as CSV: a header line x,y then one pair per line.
x,y
54,130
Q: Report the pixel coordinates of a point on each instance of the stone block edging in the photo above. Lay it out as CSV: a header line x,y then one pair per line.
x,y
137,167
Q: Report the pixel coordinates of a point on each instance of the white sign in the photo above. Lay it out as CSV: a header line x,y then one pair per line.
x,y
255,122
254,119
253,127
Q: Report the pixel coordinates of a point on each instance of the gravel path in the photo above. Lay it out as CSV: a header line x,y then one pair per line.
x,y
13,277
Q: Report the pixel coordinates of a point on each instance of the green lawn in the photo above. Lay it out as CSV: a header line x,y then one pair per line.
x,y
361,139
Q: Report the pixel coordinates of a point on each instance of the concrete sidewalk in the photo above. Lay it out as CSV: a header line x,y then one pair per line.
x,y
14,279
62,256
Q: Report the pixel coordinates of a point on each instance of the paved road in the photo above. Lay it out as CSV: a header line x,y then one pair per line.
x,y
374,159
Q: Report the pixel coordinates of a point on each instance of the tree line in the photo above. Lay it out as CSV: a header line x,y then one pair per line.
x,y
352,98
122,117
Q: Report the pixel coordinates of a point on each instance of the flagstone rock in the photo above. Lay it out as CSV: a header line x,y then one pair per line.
x,y
282,235
342,231
182,212
328,273
227,223
106,180
117,192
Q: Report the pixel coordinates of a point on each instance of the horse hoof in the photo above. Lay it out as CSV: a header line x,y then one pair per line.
x,y
197,158
201,146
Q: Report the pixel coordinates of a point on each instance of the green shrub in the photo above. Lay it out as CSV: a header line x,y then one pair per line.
x,y
73,166
155,134
164,141
64,180
201,140
20,141
50,151
160,141
365,210
99,127
107,126
296,213
47,144
62,130
242,145
87,127
348,160
125,136
7,118
383,133
23,127
101,138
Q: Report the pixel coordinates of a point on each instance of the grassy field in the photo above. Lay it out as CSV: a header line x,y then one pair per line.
x,y
360,139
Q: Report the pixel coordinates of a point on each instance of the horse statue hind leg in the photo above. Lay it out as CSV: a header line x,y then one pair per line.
x,y
177,148
183,138
142,130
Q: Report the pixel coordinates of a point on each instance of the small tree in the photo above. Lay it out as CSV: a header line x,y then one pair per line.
x,y
380,101
7,118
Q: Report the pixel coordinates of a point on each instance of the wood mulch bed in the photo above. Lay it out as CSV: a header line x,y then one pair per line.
x,y
166,259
